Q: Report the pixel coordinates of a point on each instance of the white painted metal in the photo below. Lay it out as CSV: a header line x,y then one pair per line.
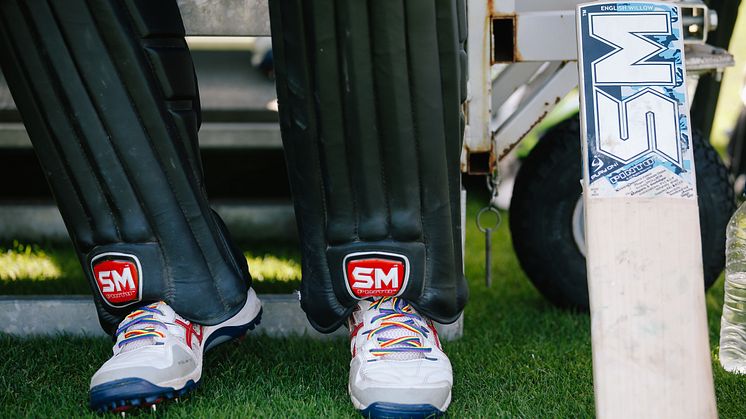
x,y
541,96
477,136
511,78
546,36
702,58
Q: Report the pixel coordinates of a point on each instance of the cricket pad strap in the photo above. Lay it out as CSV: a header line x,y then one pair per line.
x,y
370,96
108,94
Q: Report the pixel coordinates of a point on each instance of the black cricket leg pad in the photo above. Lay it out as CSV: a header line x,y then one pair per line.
x,y
370,95
108,94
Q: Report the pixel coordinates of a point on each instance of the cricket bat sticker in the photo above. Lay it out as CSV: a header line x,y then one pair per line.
x,y
638,141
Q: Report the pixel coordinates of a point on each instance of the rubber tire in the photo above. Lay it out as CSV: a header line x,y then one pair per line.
x,y
546,190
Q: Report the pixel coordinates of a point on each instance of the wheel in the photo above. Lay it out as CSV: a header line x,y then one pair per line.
x,y
546,214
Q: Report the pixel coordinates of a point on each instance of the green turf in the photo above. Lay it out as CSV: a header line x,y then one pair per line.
x,y
519,357
54,269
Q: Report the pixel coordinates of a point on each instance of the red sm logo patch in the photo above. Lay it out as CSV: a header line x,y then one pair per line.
x,y
117,278
376,274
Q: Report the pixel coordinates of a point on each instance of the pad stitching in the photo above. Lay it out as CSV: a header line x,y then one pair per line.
x,y
311,121
418,158
178,43
165,265
74,188
170,130
331,297
104,126
379,140
126,169
323,158
452,175
342,73
55,147
431,288
417,144
54,78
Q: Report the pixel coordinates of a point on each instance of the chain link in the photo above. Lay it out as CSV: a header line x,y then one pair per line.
x,y
493,182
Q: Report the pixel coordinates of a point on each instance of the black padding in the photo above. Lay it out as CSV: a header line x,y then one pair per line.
x,y
370,95
108,94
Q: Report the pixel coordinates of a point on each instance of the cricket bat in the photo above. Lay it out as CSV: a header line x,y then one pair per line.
x,y
651,355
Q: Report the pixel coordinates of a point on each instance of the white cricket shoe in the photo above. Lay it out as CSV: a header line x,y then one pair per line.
x,y
158,355
398,368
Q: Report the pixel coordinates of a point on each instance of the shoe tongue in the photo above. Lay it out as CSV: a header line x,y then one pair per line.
x,y
363,310
388,303
169,315
399,332
166,315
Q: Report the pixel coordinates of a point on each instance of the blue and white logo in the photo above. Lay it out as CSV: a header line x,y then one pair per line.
x,y
634,94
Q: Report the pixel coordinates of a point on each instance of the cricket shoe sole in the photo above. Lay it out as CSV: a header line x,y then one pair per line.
x,y
386,410
383,410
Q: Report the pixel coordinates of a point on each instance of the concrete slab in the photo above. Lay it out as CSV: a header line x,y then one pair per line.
x,y
225,17
212,135
76,315
255,220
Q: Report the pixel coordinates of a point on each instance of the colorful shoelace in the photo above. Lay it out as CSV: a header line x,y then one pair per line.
x,y
400,315
143,316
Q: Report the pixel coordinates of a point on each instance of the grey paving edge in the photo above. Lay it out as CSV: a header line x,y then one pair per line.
x,y
255,220
212,135
75,315
225,17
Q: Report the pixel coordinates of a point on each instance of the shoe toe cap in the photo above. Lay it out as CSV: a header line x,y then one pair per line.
x,y
436,396
412,382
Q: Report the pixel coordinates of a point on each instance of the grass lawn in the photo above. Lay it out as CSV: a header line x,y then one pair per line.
x,y
520,357
54,269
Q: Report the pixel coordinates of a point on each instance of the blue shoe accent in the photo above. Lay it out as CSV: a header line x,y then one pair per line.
x,y
132,392
381,410
232,332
